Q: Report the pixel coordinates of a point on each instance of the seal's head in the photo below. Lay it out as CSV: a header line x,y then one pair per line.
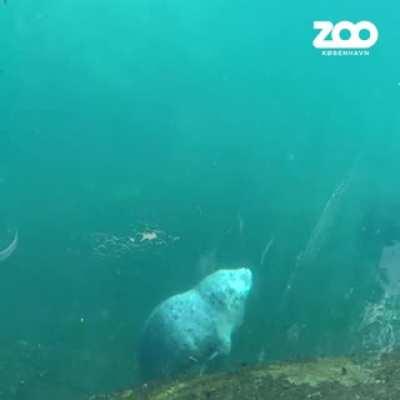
x,y
227,291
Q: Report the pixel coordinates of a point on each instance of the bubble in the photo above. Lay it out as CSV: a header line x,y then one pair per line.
x,y
136,240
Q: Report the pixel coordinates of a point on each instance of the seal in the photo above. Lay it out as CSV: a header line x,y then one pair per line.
x,y
189,329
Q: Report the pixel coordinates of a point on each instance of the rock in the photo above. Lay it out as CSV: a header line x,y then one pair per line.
x,y
320,379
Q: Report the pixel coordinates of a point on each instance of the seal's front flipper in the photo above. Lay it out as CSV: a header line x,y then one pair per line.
x,y
224,338
209,359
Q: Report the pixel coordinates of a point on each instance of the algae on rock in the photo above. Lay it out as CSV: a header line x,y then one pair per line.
x,y
328,379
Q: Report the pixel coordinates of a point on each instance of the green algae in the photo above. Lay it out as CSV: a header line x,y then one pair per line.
x,y
341,370
339,378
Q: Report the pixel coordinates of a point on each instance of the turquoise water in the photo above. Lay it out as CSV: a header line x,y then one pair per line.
x,y
217,126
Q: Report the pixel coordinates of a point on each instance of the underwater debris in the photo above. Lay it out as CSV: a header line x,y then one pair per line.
x,y
9,250
324,223
320,232
115,245
266,250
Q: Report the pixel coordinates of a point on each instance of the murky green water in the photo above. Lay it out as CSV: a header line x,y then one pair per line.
x,y
217,127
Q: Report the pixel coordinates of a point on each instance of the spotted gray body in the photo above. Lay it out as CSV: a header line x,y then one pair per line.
x,y
189,329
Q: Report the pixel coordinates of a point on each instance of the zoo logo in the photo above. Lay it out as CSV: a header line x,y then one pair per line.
x,y
336,41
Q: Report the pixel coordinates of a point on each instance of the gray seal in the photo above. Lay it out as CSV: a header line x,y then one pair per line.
x,y
189,329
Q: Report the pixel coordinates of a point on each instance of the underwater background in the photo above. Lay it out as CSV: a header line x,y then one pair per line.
x,y
145,144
